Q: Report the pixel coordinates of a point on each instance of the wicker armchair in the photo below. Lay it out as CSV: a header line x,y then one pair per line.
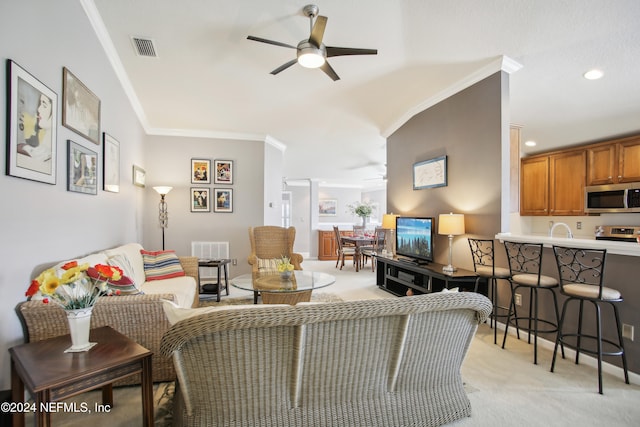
x,y
270,242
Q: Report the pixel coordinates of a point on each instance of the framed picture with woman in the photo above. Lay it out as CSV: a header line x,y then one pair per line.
x,y
33,114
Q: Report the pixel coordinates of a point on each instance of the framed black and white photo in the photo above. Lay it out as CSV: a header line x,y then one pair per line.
x,y
33,114
200,171
223,200
82,169
139,176
430,173
111,164
200,200
224,171
80,107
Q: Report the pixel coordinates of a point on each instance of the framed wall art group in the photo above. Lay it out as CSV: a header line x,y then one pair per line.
x,y
201,173
32,133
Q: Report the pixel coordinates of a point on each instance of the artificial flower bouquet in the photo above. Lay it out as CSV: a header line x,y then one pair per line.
x,y
361,209
284,264
75,286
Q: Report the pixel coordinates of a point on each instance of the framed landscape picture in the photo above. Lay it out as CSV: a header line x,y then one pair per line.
x,y
200,200
223,200
80,107
82,169
200,171
111,164
33,114
328,207
224,171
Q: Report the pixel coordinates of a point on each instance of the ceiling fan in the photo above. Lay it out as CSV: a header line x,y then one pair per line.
x,y
311,52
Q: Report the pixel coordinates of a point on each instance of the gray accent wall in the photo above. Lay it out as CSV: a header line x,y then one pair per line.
x,y
468,128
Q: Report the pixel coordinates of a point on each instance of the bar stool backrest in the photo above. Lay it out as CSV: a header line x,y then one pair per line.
x,y
483,255
524,258
578,266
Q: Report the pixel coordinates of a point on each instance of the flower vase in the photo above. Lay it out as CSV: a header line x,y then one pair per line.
x,y
79,326
364,221
286,275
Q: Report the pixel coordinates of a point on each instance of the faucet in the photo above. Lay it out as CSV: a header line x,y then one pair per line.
x,y
569,233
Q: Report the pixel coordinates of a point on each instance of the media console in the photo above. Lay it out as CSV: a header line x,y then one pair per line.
x,y
404,278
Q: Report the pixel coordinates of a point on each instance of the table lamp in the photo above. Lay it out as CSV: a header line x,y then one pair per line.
x,y
389,223
451,225
163,214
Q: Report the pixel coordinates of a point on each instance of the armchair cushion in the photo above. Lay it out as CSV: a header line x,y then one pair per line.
x,y
269,264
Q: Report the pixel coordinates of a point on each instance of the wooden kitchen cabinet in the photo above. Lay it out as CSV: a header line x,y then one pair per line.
x,y
614,162
553,184
327,249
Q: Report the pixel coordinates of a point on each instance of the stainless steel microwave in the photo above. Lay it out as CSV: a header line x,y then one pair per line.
x,y
612,198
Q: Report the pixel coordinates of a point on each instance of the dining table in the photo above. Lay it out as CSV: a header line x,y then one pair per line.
x,y
358,242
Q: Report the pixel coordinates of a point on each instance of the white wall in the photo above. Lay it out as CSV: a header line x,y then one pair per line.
x,y
41,224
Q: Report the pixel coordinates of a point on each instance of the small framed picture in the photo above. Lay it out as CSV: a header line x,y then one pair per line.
x,y
82,169
430,173
33,114
328,207
111,164
224,200
200,171
200,200
139,176
80,107
224,171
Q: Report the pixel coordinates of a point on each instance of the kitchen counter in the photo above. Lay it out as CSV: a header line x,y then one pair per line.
x,y
612,247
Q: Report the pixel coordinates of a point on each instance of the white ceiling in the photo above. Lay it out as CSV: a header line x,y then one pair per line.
x,y
209,80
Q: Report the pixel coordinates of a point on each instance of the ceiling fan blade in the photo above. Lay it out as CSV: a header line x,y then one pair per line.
x,y
342,51
258,39
317,32
284,66
329,71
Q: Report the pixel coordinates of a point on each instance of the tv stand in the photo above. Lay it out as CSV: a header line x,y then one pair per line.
x,y
405,277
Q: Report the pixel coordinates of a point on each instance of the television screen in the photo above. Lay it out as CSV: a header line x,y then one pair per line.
x,y
414,238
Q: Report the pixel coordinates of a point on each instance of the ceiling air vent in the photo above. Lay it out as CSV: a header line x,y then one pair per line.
x,y
144,47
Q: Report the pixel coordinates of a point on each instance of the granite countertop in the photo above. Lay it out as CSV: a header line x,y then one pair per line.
x,y
618,248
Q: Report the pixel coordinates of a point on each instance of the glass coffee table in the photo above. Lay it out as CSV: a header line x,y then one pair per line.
x,y
277,290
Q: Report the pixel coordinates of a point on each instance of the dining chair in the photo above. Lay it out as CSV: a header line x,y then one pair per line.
x,y
582,279
342,250
379,244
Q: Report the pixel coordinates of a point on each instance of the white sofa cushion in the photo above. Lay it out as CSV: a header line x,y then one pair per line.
x,y
175,313
132,252
184,288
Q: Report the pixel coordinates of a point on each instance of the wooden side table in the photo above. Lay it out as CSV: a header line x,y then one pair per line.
x,y
217,264
51,375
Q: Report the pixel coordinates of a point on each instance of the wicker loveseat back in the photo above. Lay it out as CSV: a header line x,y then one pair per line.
x,y
389,362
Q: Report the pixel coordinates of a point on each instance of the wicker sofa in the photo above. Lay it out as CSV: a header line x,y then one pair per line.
x,y
140,317
389,362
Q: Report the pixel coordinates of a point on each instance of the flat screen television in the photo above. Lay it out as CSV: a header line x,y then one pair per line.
x,y
414,238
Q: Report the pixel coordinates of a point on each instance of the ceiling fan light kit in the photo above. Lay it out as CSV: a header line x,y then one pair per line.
x,y
311,52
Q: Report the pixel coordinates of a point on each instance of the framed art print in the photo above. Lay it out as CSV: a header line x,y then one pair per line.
x,y
430,173
111,164
224,171
200,171
82,169
80,107
33,114
200,200
328,207
223,200
139,176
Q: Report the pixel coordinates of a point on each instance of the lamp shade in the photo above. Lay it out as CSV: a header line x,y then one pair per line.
x,y
163,190
310,56
389,221
451,224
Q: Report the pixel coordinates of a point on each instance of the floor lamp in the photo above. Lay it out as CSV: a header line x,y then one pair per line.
x,y
163,214
451,225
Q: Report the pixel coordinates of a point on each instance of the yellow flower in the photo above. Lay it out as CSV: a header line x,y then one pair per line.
x,y
74,274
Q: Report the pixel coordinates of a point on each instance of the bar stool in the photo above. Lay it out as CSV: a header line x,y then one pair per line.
x,y
483,255
525,264
581,279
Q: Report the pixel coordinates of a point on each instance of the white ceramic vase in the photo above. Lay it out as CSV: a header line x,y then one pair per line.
x,y
79,326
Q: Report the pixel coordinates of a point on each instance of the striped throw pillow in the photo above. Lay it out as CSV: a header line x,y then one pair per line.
x,y
161,265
